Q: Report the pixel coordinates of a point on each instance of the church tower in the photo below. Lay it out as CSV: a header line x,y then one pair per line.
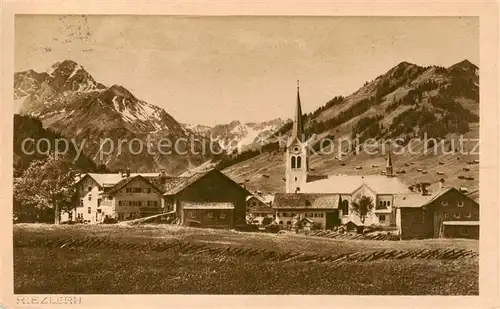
x,y
388,166
296,160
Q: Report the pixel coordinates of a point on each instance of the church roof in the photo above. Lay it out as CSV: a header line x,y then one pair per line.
x,y
305,201
347,184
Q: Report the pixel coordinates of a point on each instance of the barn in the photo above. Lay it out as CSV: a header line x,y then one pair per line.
x,y
447,213
207,199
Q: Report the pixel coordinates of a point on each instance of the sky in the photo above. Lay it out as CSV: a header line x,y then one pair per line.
x,y
213,70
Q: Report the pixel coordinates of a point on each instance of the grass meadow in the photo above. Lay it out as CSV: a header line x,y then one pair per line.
x,y
143,270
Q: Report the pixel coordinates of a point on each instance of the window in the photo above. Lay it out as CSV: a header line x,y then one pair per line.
x,y
456,215
345,207
381,203
388,203
110,198
463,230
81,202
297,190
137,190
446,215
285,214
120,216
152,203
128,190
210,214
299,159
385,204
191,214
444,203
281,222
222,215
99,202
293,162
289,222
90,197
381,218
308,203
90,210
89,188
460,204
468,215
147,190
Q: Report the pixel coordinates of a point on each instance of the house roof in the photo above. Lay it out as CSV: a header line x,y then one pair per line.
x,y
415,200
460,222
347,184
412,200
111,179
207,205
305,201
122,183
176,186
168,185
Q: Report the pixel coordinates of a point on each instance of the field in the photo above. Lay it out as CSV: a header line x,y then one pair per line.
x,y
176,260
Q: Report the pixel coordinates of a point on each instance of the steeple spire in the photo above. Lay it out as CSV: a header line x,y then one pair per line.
x,y
298,127
388,166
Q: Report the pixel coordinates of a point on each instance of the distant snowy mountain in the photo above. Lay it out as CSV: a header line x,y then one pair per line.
x,y
68,100
236,136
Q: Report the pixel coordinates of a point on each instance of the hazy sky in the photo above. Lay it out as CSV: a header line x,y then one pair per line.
x,y
208,70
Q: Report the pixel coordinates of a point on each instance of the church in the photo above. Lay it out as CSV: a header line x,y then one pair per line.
x,y
331,200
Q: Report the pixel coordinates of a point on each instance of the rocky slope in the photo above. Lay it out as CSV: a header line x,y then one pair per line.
x,y
69,101
236,136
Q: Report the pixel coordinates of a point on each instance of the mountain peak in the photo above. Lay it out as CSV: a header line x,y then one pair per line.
x,y
464,64
121,91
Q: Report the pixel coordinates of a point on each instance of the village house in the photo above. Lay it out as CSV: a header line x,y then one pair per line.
x,y
259,206
321,210
208,198
89,189
447,213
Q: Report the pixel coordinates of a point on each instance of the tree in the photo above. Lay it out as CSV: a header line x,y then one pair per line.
x,y
43,190
362,207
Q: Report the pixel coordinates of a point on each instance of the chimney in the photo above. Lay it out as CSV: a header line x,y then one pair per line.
x,y
128,172
423,186
419,188
441,183
163,177
123,173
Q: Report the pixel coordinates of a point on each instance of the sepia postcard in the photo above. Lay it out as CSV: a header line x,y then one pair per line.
x,y
288,154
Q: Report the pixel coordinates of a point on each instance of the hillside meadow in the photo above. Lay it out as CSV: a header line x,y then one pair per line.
x,y
114,259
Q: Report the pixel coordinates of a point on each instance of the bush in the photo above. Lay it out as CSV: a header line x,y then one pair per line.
x,y
109,220
272,228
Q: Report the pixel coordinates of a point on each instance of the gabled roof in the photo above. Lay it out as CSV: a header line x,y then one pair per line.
x,y
305,201
122,183
415,200
111,179
182,183
347,184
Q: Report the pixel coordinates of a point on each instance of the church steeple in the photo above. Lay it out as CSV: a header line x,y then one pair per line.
x,y
388,166
296,158
298,126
